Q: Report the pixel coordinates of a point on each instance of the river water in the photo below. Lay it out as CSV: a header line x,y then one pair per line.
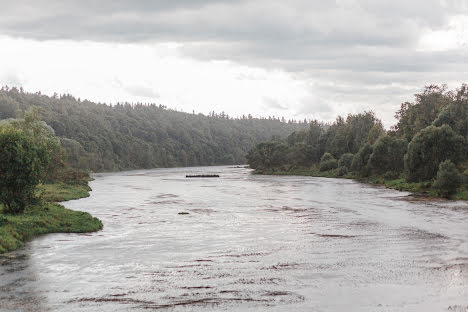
x,y
245,242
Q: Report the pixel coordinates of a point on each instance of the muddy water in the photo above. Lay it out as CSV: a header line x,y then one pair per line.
x,y
248,243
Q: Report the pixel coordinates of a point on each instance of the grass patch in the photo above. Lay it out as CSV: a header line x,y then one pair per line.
x,y
59,192
461,194
47,216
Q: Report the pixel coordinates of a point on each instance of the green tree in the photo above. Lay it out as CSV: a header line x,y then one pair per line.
x,y
328,162
448,179
413,117
456,114
388,156
346,160
375,133
41,133
23,164
429,148
360,160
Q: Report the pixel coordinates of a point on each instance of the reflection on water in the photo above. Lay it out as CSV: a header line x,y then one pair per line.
x,y
245,243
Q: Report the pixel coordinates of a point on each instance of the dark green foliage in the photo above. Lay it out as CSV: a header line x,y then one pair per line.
x,y
429,148
456,114
304,148
346,161
388,156
448,179
436,125
100,137
360,160
413,117
327,157
267,155
347,136
23,164
31,124
342,171
375,133
328,162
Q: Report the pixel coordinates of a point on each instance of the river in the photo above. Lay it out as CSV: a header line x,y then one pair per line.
x,y
245,242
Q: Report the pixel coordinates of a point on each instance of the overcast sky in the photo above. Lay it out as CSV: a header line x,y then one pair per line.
x,y
296,58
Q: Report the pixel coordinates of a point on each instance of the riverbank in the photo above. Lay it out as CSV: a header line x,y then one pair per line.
x,y
416,188
47,216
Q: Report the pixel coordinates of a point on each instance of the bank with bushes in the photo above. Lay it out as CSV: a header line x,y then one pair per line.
x,y
33,178
47,216
425,152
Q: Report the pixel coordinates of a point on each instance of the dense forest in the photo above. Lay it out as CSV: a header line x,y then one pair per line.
x,y
427,145
100,137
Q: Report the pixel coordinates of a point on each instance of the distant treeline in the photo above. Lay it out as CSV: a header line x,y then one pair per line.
x,y
429,131
100,137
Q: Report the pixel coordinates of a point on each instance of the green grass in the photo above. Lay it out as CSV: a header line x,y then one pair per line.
x,y
47,217
461,194
59,192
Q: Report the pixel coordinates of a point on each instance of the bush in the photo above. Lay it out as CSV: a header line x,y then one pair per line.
x,y
346,160
360,160
391,175
448,179
387,156
22,166
429,148
328,162
342,170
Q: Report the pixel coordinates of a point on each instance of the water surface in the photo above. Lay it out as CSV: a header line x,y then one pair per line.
x,y
248,243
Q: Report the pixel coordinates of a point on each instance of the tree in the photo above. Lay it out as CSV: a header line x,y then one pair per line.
x,y
328,162
456,114
388,156
375,133
23,164
31,124
413,117
429,148
360,160
346,160
448,179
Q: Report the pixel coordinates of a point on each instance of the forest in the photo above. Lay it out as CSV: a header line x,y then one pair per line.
x,y
426,150
99,137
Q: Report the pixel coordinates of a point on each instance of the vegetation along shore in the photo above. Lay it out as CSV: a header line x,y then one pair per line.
x,y
52,144
34,176
425,152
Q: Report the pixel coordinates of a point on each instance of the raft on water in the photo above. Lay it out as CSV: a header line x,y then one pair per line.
x,y
202,176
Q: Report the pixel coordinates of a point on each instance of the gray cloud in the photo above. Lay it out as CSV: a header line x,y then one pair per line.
x,y
274,103
367,48
142,91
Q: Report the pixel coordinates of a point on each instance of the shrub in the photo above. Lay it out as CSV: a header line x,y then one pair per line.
x,y
448,179
360,160
387,156
391,175
342,170
22,166
346,160
429,148
328,162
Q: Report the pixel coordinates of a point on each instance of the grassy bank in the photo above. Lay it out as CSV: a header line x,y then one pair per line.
x,y
420,188
47,217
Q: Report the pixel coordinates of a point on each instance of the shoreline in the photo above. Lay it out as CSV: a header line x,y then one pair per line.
x,y
421,190
48,217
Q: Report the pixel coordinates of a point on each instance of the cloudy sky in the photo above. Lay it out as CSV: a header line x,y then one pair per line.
x,y
296,58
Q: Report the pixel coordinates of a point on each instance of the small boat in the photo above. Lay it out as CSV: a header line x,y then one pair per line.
x,y
202,176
